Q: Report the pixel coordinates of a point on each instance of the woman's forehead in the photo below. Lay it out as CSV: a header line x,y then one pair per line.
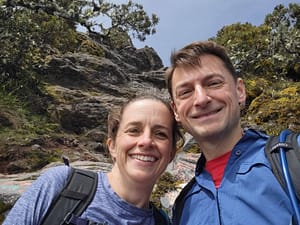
x,y
147,108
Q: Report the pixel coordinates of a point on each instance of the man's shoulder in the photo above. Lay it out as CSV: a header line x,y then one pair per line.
x,y
256,132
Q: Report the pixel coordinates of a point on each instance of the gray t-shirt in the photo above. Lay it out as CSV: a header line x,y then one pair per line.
x,y
106,206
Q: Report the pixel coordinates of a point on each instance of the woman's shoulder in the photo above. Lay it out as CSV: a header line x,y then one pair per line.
x,y
56,174
35,201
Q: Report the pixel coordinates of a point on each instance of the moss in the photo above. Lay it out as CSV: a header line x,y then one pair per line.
x,y
87,45
37,159
24,123
277,108
165,184
255,86
4,207
194,149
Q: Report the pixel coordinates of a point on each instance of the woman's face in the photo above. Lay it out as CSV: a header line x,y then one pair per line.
x,y
143,146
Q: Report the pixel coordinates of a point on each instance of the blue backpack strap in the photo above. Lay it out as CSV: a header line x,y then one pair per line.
x,y
283,153
286,174
292,152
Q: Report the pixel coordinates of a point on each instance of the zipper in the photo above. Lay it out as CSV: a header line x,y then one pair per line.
x,y
218,205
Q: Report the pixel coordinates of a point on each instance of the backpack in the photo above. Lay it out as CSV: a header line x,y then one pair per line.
x,y
77,195
287,141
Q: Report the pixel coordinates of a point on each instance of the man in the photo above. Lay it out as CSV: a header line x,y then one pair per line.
x,y
234,183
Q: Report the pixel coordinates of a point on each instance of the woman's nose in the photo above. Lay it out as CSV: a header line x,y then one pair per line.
x,y
145,139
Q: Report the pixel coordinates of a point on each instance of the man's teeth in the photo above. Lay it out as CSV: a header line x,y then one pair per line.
x,y
144,158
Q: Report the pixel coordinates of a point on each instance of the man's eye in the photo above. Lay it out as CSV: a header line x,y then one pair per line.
x,y
215,83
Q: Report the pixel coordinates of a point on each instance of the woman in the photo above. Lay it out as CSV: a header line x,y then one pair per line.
x,y
142,139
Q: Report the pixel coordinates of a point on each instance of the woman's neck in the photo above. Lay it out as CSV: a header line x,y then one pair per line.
x,y
135,193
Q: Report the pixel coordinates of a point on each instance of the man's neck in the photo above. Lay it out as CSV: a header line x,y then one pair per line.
x,y
217,145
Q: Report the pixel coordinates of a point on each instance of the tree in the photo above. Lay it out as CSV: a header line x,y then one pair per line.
x,y
285,39
27,36
100,17
271,49
247,44
32,29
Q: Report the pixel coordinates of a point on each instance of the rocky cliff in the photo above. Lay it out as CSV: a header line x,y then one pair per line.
x,y
78,90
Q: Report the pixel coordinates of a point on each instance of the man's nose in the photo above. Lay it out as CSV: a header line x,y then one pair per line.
x,y
201,97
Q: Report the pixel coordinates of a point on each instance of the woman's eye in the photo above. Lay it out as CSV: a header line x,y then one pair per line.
x,y
133,130
184,93
161,135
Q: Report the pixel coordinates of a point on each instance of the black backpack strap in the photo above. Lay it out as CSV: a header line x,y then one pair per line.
x,y
74,198
160,216
292,150
179,202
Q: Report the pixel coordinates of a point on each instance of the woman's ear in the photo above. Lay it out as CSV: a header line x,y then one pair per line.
x,y
172,155
173,106
111,148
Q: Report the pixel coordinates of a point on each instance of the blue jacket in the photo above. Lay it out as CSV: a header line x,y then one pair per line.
x,y
248,194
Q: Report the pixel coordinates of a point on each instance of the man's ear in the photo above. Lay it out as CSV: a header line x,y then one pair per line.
x,y
241,91
173,106
111,148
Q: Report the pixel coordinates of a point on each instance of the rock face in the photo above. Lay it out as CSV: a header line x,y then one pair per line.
x,y
81,89
182,167
85,87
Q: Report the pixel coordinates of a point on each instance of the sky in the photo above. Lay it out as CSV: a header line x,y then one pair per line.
x,y
184,21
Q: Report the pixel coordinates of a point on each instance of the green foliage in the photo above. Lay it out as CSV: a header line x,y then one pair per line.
x,y
245,43
27,37
165,184
3,208
87,45
255,86
31,30
194,149
119,40
18,123
277,109
37,159
127,18
285,40
271,50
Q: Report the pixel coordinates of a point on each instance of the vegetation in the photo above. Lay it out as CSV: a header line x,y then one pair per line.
x,y
270,50
3,208
31,30
18,123
165,184
267,57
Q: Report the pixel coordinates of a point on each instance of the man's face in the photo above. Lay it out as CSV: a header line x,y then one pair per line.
x,y
206,98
